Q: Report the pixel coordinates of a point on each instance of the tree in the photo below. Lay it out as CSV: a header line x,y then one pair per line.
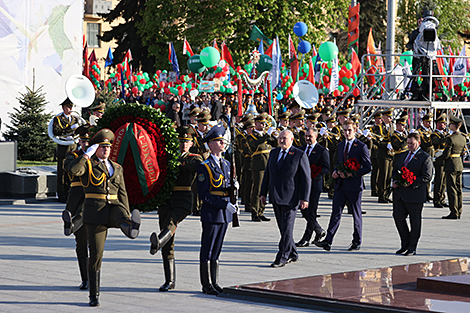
x,y
126,35
29,127
373,14
453,16
203,21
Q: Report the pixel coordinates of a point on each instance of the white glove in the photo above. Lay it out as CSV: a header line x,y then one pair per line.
x,y
451,132
413,131
323,131
91,150
270,130
389,146
74,126
236,185
366,132
231,208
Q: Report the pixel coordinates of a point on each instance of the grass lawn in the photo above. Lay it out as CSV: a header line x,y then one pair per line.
x,y
34,163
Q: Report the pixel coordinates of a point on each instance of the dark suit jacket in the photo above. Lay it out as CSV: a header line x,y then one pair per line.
x,y
421,166
320,157
216,111
289,183
361,154
174,116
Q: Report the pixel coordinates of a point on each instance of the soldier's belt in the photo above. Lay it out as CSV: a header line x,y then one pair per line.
x,y
400,151
76,184
455,155
260,152
247,156
182,188
220,193
100,196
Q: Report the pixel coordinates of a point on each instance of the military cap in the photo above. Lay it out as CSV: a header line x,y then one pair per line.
x,y
261,118
388,112
246,117
294,105
104,137
67,102
442,118
185,132
298,116
314,117
427,117
249,123
454,119
83,132
285,115
215,133
345,112
194,112
249,95
402,120
378,114
203,117
98,107
331,118
327,110
356,118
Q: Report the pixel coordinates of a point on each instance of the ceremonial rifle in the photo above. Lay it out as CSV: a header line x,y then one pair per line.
x,y
233,173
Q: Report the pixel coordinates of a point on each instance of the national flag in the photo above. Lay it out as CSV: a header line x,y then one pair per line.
x,y
275,73
128,57
460,67
86,65
314,51
174,60
294,70
215,45
92,57
451,61
109,58
440,63
269,51
123,91
311,72
169,52
371,43
334,81
292,53
226,55
260,47
187,48
356,64
317,68
257,35
370,68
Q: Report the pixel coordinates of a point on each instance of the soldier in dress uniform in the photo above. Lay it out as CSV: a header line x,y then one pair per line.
x,y
453,167
73,213
97,112
387,117
248,100
325,114
260,144
64,125
213,179
312,120
399,138
106,203
343,116
373,154
384,161
438,138
283,121
247,182
299,129
176,208
240,134
356,118
331,137
425,131
193,118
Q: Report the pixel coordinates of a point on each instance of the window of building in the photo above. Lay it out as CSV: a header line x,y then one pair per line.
x,y
93,30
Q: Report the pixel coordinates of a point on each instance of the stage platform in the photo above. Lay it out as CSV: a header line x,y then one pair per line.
x,y
440,286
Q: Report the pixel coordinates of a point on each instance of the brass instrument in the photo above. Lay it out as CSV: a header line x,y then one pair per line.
x,y
438,154
331,134
376,136
391,152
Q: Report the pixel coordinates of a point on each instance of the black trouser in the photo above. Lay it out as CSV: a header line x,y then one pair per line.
x,y
401,210
310,215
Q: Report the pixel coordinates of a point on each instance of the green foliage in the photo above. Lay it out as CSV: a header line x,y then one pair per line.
x,y
453,16
203,21
29,127
372,14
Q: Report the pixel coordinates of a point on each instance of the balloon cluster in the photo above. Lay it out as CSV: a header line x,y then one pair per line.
x,y
94,74
141,82
287,84
301,29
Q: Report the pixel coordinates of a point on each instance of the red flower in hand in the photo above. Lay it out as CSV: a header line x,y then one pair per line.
x,y
315,170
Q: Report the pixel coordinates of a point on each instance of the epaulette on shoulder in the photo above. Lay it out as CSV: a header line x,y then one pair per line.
x,y
205,162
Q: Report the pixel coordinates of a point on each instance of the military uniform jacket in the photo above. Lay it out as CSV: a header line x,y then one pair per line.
x,y
213,183
399,142
182,195
426,142
95,181
246,153
299,137
61,125
261,147
382,151
439,142
198,146
455,145
76,196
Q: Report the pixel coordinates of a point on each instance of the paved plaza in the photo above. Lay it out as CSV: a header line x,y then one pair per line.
x,y
39,270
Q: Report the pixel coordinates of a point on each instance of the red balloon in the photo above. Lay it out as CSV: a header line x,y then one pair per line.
x,y
119,67
163,107
142,81
134,90
336,93
288,92
156,106
162,84
217,75
261,90
356,92
158,72
346,89
326,79
167,90
155,86
341,73
348,74
180,92
134,78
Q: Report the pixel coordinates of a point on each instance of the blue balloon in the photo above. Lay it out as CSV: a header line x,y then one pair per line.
x,y
300,29
304,46
279,96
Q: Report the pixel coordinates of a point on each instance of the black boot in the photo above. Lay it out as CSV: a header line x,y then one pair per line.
x,y
77,222
215,275
170,275
204,275
67,218
94,286
130,228
83,266
159,241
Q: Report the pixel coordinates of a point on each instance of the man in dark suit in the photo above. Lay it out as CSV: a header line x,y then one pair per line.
x,y
174,114
318,156
408,199
348,186
287,179
217,107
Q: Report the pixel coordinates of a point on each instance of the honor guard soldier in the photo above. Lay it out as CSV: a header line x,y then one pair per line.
x,y
260,143
73,215
97,112
64,125
453,167
374,133
193,118
283,121
387,117
177,207
247,181
106,203
399,139
425,131
213,180
312,120
325,114
331,137
299,129
248,100
343,116
438,138
295,108
356,118
384,160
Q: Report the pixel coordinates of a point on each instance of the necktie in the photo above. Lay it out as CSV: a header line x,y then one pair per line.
x,y
105,168
408,158
309,150
346,149
283,154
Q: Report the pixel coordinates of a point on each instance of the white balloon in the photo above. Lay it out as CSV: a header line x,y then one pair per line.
x,y
194,93
222,63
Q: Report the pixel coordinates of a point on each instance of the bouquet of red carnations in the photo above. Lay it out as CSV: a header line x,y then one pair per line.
x,y
315,170
350,166
405,177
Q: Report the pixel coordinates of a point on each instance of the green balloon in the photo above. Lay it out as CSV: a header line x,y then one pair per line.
x,y
328,51
265,63
222,89
325,90
349,66
210,56
408,58
195,65
225,82
340,88
229,90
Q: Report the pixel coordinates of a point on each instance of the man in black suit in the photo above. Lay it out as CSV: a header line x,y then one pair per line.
x,y
174,114
287,178
318,156
217,107
408,199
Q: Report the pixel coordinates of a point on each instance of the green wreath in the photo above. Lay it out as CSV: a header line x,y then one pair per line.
x,y
161,135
